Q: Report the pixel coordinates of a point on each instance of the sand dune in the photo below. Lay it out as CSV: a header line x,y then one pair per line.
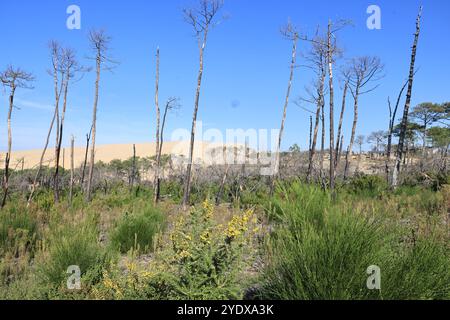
x,y
106,153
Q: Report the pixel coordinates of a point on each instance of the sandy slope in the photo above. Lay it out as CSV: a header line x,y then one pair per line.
x,y
105,153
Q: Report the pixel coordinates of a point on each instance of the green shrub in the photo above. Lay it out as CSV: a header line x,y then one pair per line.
x,y
71,246
17,229
367,185
137,230
326,258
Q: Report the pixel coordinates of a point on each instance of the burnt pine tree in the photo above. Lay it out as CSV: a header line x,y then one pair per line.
x,y
404,123
202,19
12,78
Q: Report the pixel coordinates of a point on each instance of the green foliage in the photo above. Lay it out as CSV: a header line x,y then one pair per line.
x,y
322,251
367,185
137,230
71,246
17,228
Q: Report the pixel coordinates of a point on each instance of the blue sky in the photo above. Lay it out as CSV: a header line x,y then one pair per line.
x,y
246,64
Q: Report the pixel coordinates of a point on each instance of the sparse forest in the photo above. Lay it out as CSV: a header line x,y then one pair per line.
x,y
174,227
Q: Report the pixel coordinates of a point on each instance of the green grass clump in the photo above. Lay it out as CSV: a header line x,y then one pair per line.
x,y
71,246
321,250
137,230
18,228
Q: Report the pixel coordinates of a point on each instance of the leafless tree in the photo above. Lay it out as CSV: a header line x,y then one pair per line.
x,y
57,73
69,71
100,42
83,170
171,104
340,139
290,33
12,78
202,19
316,60
333,51
392,116
404,123
363,73
158,125
72,164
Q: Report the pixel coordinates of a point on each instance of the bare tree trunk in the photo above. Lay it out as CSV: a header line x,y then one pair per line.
x,y
8,154
187,182
283,120
83,171
133,169
331,88
322,148
158,116
72,147
341,119
60,136
352,138
392,117
41,161
404,123
94,129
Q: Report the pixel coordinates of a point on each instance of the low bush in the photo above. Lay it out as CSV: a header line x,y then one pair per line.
x,y
137,230
314,254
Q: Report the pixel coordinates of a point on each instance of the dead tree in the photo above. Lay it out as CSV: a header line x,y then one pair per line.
x,y
340,139
202,20
404,123
133,169
12,78
69,69
158,119
99,41
171,104
332,51
290,33
362,72
72,147
57,73
392,117
86,152
317,62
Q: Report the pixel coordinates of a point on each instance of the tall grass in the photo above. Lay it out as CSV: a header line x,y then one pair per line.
x,y
322,251
137,230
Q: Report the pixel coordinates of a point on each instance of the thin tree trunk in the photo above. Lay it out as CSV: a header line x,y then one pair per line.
x,y
72,147
341,119
187,182
83,172
322,148
158,116
404,123
331,87
59,142
352,138
133,169
320,103
283,120
94,128
8,154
